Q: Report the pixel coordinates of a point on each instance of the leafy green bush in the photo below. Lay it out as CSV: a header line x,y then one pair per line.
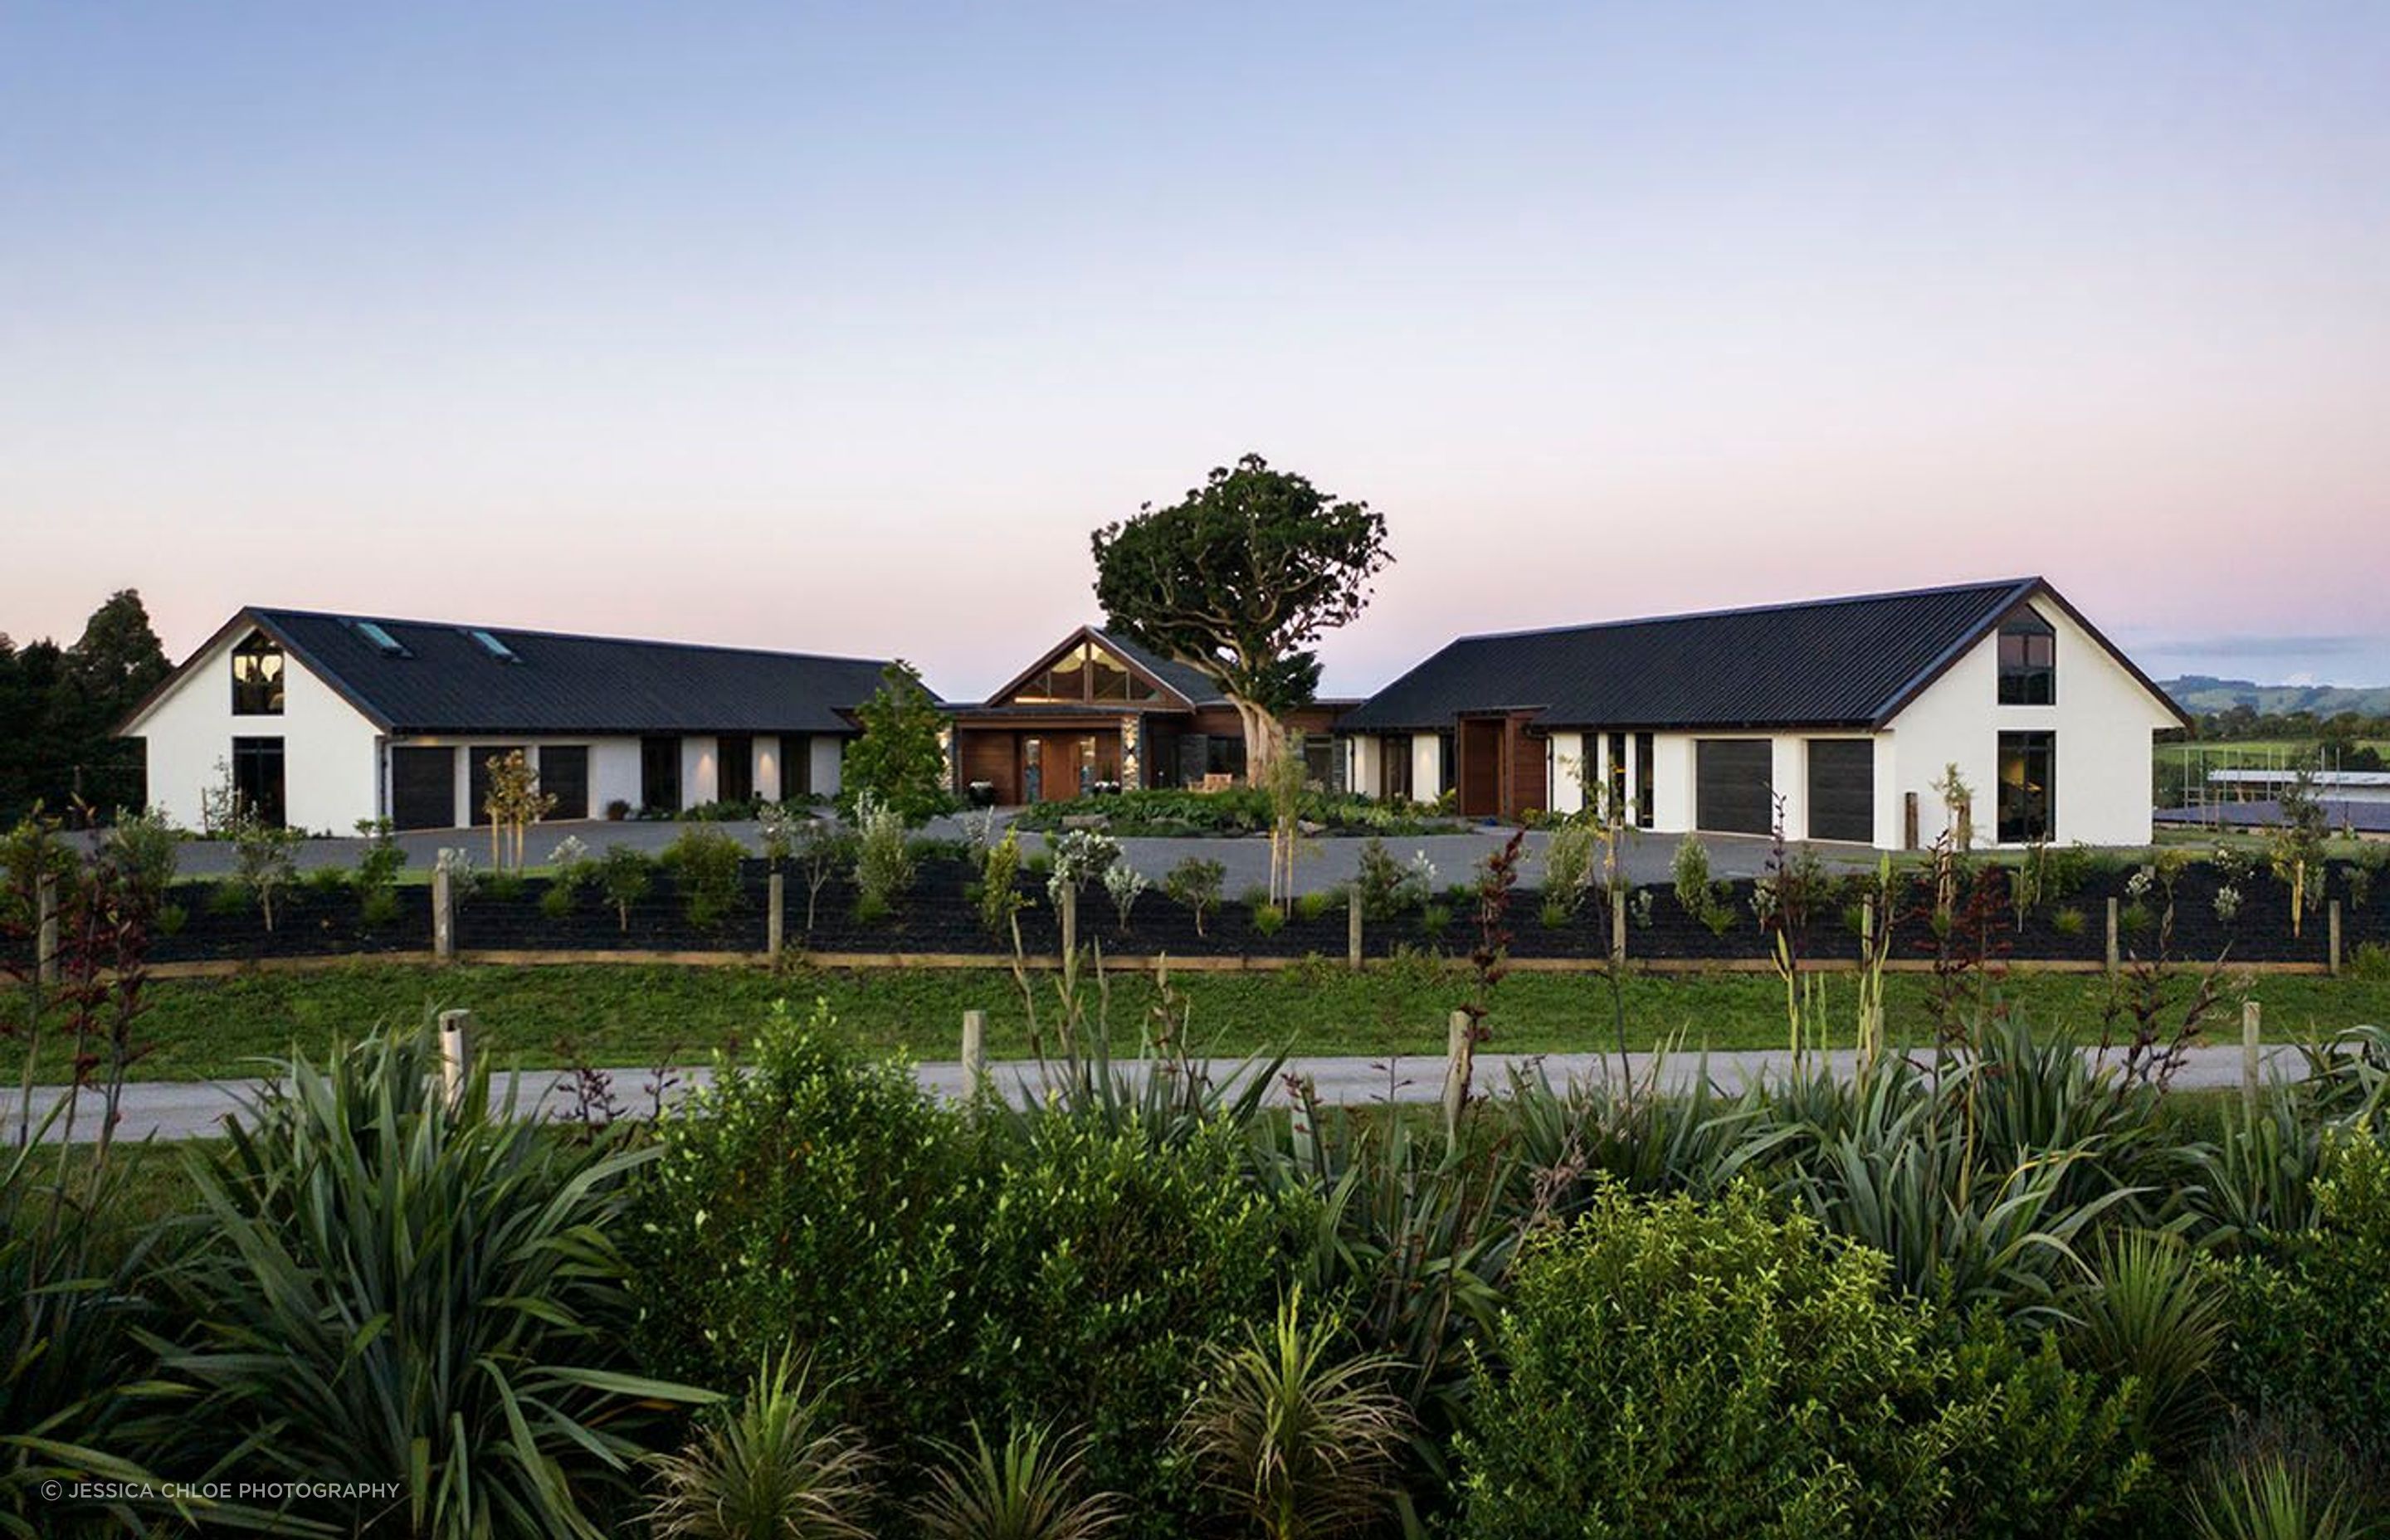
x,y
1696,894
624,876
1315,906
1268,919
1690,1370
2309,1309
883,860
1100,1274
147,848
1196,882
391,1289
810,1201
705,863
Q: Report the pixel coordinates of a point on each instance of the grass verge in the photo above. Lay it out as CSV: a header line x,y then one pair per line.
x,y
628,1015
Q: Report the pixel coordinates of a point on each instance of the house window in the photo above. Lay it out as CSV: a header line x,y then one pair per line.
x,y
1224,755
1618,808
660,775
1642,781
257,676
1394,769
2028,789
2028,661
257,779
1086,672
734,768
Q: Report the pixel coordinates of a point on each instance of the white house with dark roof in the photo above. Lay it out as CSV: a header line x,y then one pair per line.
x,y
321,720
1839,715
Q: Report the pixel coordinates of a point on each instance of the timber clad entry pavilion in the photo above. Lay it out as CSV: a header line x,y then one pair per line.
x,y
1098,713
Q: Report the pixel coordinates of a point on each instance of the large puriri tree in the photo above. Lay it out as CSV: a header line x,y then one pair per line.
x,y
1238,580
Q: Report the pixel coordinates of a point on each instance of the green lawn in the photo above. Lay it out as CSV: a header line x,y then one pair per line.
x,y
622,1015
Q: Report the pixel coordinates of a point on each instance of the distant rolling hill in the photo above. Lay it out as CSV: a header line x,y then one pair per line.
x,y
2204,695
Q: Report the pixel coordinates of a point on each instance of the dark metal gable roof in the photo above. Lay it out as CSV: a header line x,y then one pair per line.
x,y
448,683
1828,662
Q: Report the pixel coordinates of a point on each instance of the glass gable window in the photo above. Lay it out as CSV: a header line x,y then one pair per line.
x,y
2028,787
2028,662
1086,672
257,676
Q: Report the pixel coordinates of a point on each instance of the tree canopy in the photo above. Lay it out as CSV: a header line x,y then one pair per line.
x,y
901,758
59,708
1239,579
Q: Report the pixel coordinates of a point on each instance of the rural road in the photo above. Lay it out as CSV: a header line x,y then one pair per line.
x,y
184,1109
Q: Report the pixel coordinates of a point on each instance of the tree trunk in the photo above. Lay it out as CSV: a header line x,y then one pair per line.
x,y
1262,739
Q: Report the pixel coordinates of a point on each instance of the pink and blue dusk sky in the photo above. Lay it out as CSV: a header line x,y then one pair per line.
x,y
839,327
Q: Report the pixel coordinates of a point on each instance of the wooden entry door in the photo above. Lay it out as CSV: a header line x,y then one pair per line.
x,y
1480,767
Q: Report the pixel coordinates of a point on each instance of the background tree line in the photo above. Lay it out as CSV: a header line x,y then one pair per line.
x,y
60,707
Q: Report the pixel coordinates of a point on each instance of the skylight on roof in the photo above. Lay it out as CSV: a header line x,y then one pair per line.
x,y
388,644
491,644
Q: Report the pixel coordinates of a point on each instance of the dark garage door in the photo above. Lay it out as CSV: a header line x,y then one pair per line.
x,y
564,774
1842,789
423,788
1731,790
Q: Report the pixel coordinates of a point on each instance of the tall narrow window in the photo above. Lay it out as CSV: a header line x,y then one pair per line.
x,y
1618,808
2028,788
734,768
257,676
2028,661
1394,769
257,779
660,775
1642,781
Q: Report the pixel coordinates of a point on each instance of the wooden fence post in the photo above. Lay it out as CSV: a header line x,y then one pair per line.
x,y
45,935
2113,952
2332,932
444,911
2252,1019
1352,927
974,1051
775,915
1617,923
455,1054
1457,1057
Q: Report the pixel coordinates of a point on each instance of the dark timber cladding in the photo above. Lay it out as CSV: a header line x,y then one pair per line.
x,y
1733,791
1842,788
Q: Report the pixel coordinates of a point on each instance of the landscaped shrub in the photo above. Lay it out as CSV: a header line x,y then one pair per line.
x,y
883,859
625,875
811,1201
774,1466
1298,1433
2308,1311
147,849
1238,810
391,1289
1195,883
705,863
1100,1274
1688,1369
265,863
1696,894
1031,1488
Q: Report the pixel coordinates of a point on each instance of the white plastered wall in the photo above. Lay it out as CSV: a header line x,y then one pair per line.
x,y
329,749
2102,717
